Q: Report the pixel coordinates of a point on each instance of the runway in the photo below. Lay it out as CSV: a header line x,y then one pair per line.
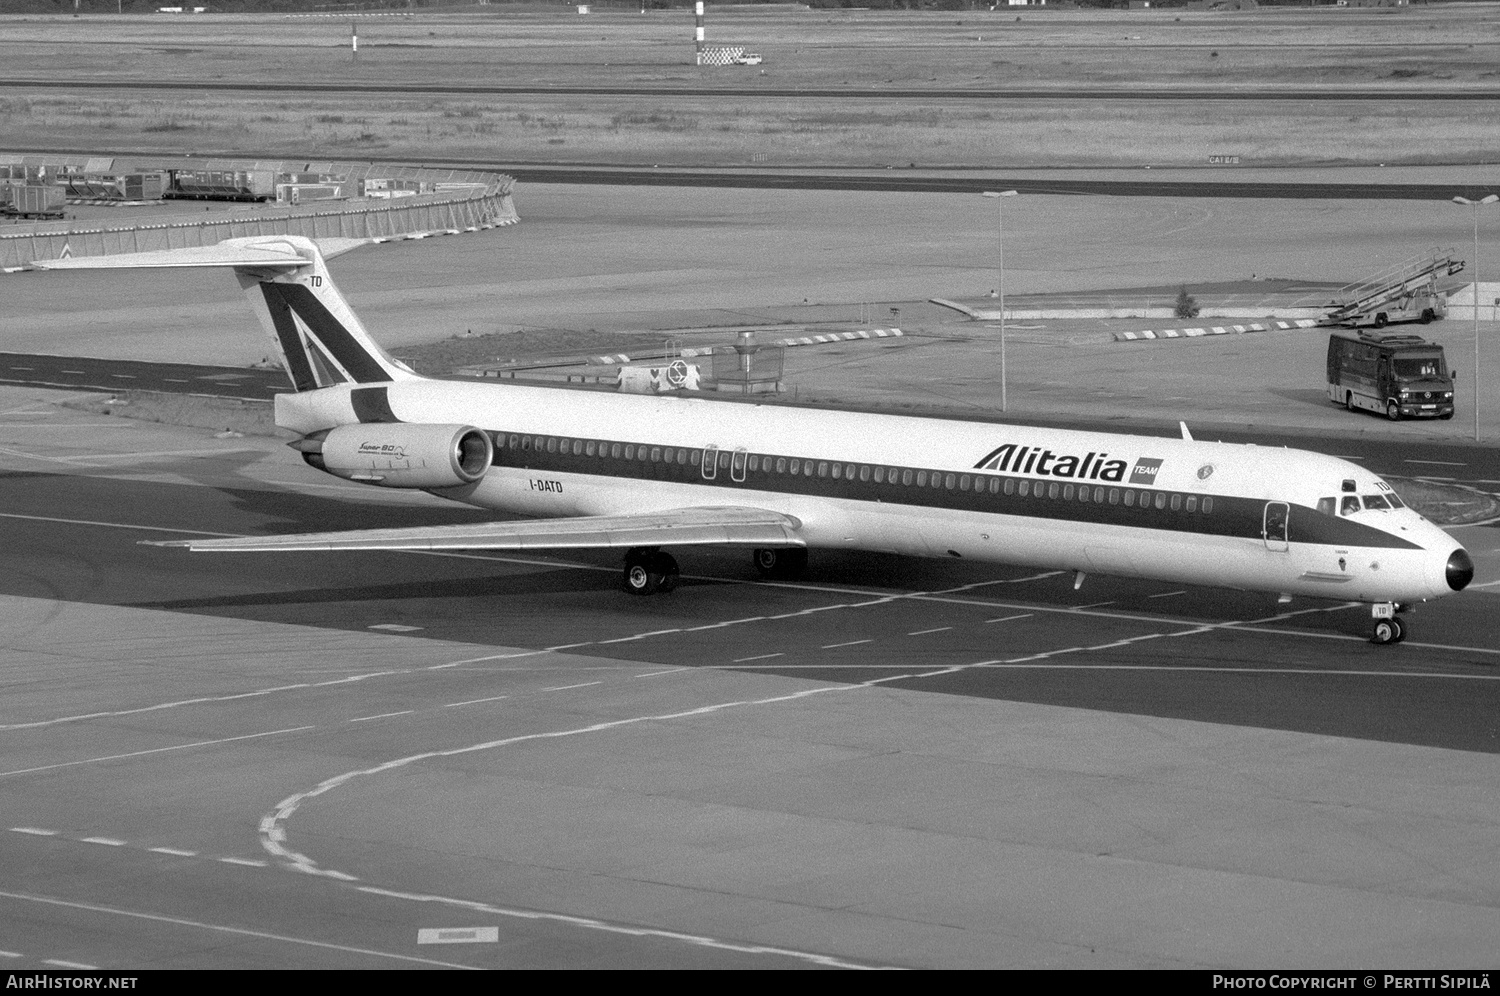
x,y
307,761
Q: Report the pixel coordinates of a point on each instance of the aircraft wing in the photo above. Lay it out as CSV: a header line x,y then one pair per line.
x,y
263,252
735,526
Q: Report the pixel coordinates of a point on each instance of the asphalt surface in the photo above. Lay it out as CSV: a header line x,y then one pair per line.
x,y
40,370
1122,93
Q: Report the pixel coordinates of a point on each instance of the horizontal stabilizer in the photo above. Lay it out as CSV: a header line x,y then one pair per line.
x,y
734,526
260,256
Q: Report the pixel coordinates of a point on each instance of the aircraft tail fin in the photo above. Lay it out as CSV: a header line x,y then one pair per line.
x,y
321,340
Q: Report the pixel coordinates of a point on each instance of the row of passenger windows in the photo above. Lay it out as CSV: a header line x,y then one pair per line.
x,y
738,463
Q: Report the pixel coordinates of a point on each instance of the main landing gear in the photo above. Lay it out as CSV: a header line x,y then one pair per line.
x,y
781,563
648,571
1388,626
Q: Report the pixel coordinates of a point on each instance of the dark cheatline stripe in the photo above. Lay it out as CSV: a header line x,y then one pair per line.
x,y
298,368
372,404
1232,516
332,335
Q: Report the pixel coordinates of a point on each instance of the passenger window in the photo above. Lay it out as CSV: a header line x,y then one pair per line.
x,y
921,478
1208,505
656,454
796,466
781,465
1375,501
1161,500
1325,505
864,473
1083,493
1068,493
614,451
906,477
963,483
807,468
514,442
1099,496
578,447
838,472
630,452
994,485
822,468
1052,490
1192,504
724,457
879,474
551,444
1129,498
1349,506
1176,502
948,481
1024,489
1010,485
755,463
937,479
1114,496
849,471
525,443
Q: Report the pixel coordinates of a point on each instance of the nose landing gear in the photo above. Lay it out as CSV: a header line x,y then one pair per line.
x,y
1388,626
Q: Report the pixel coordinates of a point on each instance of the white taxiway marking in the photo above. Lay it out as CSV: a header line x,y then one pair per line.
x,y
110,525
34,831
396,628
458,935
1167,594
1024,615
762,657
10,954
56,963
384,715
564,688
175,852
156,750
1091,605
109,841
637,636
492,698
670,670
835,646
936,629
1437,463
248,862
239,931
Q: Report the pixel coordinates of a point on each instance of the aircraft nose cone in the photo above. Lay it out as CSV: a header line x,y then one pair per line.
x,y
1460,570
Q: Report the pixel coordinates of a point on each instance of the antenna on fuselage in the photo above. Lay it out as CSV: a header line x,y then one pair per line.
x,y
1187,436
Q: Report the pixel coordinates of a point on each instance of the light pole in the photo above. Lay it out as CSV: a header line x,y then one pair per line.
x,y
1000,196
1474,206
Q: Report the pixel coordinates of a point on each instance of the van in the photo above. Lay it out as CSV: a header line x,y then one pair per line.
x,y
1399,374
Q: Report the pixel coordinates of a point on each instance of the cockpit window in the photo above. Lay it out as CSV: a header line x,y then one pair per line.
x,y
1327,505
1375,501
1350,505
1395,501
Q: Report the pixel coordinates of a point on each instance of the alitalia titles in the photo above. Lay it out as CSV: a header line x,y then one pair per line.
x,y
1017,459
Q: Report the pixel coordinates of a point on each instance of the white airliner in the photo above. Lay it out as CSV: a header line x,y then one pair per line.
x,y
645,473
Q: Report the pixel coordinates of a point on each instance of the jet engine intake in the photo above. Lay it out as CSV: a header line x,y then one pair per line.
x,y
400,454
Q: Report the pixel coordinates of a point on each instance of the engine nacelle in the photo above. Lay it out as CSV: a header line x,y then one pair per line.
x,y
400,454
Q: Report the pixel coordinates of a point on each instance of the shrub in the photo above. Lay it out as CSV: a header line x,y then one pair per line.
x,y
1186,306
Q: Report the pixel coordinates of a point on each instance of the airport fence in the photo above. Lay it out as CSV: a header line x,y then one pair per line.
x,y
461,201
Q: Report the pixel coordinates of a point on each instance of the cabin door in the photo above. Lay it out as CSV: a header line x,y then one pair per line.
x,y
1273,528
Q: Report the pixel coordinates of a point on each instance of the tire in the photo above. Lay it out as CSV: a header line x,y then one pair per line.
x,y
639,579
1428,315
666,565
1349,400
1400,629
1393,411
781,564
1380,320
1384,632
